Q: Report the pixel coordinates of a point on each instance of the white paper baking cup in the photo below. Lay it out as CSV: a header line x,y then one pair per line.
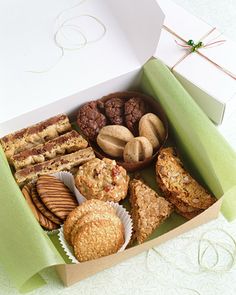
x,y
126,220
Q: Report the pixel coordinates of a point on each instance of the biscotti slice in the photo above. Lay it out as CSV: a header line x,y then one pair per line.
x,y
67,143
62,163
148,209
176,182
31,136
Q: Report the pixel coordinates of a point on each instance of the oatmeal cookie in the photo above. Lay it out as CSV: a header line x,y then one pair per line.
x,y
148,209
103,180
85,208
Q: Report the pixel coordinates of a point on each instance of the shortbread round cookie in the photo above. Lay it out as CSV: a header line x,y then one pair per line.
x,y
103,180
56,196
43,221
97,239
42,208
94,216
86,207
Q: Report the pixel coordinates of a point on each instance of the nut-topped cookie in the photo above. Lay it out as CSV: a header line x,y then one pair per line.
x,y
56,196
103,180
186,194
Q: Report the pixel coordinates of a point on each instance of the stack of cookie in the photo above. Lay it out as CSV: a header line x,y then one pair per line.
x,y
94,230
185,193
148,210
47,147
50,201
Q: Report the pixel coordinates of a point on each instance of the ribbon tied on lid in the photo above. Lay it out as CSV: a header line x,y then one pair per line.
x,y
193,47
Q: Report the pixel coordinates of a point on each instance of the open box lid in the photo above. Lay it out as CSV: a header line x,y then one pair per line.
x,y
33,73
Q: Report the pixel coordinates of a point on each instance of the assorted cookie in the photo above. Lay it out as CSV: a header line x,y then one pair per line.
x,y
36,134
64,144
148,210
137,149
45,222
179,187
112,139
103,180
50,200
90,120
124,129
94,230
56,196
135,108
112,122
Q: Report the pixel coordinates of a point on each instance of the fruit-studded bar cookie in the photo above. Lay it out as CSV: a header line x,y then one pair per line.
x,y
36,134
66,162
64,144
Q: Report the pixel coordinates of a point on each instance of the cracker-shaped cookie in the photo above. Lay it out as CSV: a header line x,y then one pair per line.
x,y
43,221
88,206
176,182
42,208
97,239
56,196
95,216
148,209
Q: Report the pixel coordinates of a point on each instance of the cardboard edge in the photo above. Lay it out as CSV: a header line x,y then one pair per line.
x,y
72,273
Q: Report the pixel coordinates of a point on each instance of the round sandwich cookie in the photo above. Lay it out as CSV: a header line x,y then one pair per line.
x,y
97,239
43,220
56,196
86,207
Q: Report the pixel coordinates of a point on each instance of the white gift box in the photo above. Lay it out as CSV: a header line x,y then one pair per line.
x,y
112,64
211,87
132,33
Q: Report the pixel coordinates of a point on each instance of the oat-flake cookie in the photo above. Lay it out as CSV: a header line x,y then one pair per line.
x,y
103,180
95,216
86,207
148,209
97,239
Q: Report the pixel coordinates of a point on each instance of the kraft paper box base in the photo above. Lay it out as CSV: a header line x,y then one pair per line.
x,y
73,273
39,251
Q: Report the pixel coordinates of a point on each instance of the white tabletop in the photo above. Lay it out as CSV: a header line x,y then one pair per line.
x,y
162,274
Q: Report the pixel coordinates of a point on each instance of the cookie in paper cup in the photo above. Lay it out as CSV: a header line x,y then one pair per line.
x,y
127,232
